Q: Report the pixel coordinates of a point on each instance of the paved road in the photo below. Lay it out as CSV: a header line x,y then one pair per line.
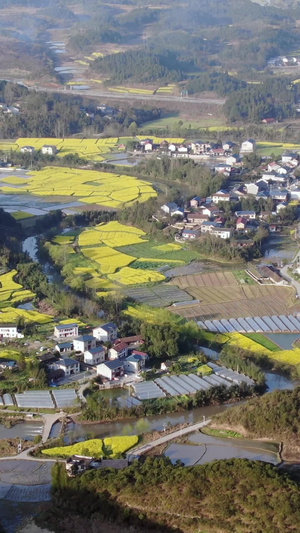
x,y
285,275
49,420
167,438
130,96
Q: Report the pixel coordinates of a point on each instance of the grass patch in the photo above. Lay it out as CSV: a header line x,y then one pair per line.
x,y
243,278
20,215
227,433
152,250
263,341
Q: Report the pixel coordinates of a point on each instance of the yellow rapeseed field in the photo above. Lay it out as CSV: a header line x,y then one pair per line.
x,y
112,234
109,260
135,276
89,186
12,315
290,357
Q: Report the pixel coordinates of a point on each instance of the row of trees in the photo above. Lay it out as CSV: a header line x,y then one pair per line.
x,y
98,408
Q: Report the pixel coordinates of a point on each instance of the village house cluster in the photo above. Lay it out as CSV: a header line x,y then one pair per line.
x,y
101,350
277,181
199,149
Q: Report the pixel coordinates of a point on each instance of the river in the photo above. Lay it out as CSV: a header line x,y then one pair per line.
x,y
215,449
30,245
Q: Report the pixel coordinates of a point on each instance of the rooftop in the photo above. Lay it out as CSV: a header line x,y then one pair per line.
x,y
96,350
64,326
84,338
67,362
108,326
112,365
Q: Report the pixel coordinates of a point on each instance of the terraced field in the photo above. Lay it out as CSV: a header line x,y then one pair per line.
x,y
113,255
221,296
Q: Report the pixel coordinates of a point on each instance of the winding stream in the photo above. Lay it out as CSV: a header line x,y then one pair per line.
x,y
214,448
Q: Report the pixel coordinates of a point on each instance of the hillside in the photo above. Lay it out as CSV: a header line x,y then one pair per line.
x,y
224,496
273,416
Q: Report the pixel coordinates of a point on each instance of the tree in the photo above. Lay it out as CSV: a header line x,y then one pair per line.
x,y
161,341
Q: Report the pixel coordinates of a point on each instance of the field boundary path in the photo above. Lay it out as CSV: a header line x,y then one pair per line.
x,y
162,440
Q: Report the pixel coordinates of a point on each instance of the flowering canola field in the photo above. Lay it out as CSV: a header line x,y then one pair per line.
x,y
290,357
88,186
112,254
87,148
95,447
12,293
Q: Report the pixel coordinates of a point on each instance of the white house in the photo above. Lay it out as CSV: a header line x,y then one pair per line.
x,y
27,149
182,149
198,147
135,362
221,196
233,159
255,188
228,145
290,158
106,333
49,149
63,347
148,147
118,351
295,194
190,234
248,146
8,331
84,343
281,206
94,356
223,167
68,366
62,331
222,233
169,208
172,147
111,369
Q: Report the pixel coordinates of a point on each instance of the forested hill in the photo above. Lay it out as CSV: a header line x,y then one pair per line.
x,y
274,416
139,65
221,497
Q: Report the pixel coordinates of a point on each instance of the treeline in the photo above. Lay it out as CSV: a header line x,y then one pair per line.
x,y
275,98
214,247
274,416
59,115
138,65
222,496
244,365
222,84
99,408
199,177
